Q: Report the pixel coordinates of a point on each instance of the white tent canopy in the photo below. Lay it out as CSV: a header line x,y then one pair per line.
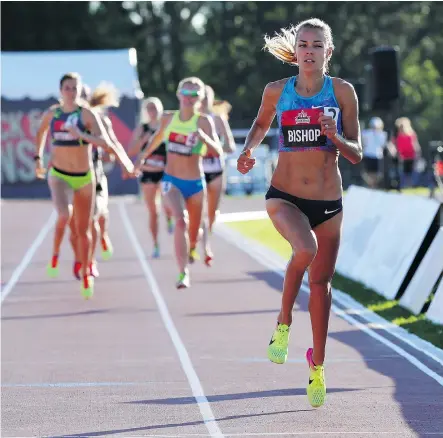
x,y
36,75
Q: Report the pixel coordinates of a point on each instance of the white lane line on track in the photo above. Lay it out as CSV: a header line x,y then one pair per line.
x,y
375,321
80,384
194,382
338,433
18,271
268,260
388,343
345,300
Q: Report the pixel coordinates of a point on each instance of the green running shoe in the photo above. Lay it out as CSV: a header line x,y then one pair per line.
x,y
183,280
107,249
193,255
316,389
52,267
278,346
87,288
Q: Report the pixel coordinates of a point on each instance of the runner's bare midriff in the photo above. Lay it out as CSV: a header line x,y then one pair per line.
x,y
308,175
184,167
72,159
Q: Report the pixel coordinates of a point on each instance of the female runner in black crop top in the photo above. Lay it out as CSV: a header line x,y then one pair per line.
x,y
74,129
153,167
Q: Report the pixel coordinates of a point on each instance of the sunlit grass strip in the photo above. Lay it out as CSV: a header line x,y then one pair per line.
x,y
264,233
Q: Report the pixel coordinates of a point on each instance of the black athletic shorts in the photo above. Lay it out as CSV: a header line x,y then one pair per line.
x,y
151,177
317,212
211,176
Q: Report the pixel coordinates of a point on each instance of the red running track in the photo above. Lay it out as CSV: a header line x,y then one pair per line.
x,y
132,361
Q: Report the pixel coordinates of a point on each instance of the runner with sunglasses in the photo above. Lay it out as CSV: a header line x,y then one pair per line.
x,y
188,135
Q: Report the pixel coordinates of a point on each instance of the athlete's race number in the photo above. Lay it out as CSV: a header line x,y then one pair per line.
x,y
332,112
192,139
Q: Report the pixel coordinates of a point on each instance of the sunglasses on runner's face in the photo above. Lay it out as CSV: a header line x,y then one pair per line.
x,y
190,93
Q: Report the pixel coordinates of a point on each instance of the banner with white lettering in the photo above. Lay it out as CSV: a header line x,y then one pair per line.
x,y
20,121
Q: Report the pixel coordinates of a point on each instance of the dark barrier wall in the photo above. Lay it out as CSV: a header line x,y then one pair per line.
x,y
20,121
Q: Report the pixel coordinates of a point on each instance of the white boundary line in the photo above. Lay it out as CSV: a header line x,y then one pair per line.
x,y
342,298
194,382
378,322
18,271
272,261
388,343
305,433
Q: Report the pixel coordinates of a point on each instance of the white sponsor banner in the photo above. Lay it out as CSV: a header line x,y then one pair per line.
x,y
382,233
425,277
435,311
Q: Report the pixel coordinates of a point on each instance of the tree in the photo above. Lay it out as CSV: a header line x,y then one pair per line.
x,y
221,42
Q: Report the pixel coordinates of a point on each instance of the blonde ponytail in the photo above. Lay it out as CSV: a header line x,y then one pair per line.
x,y
105,95
282,45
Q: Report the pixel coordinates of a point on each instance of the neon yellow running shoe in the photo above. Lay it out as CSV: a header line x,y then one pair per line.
x,y
183,280
278,346
107,249
87,288
193,255
52,267
316,389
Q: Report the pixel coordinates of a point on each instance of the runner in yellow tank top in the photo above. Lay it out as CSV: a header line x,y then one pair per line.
x,y
188,135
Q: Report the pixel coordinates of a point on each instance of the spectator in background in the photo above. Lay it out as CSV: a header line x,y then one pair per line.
x,y
408,150
374,140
